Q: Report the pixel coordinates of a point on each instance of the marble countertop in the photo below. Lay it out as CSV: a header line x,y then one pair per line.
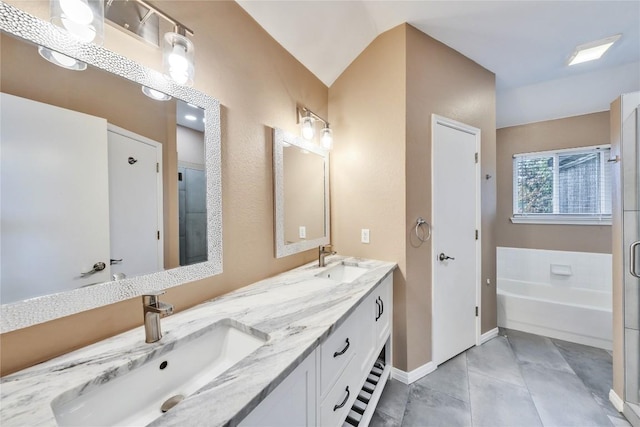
x,y
297,314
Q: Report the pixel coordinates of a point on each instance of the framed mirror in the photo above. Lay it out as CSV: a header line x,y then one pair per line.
x,y
301,187
99,183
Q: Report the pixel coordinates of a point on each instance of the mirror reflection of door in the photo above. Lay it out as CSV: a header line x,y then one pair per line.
x,y
135,204
47,154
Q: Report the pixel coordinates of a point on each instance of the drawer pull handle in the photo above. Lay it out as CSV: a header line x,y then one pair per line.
x,y
378,312
340,353
344,402
381,306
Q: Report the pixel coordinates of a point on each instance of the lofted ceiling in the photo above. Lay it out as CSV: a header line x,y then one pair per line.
x,y
525,43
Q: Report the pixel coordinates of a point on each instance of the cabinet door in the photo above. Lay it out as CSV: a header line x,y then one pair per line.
x,y
292,403
384,306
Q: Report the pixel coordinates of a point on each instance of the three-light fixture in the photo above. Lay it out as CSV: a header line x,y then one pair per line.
x,y
307,120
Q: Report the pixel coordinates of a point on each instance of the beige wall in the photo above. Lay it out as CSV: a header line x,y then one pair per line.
x,y
258,84
572,132
367,113
381,107
444,82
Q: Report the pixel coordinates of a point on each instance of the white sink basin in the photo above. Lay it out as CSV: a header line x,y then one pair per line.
x,y
136,397
343,273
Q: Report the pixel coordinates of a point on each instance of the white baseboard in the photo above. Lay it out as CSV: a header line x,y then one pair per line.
x,y
488,335
415,375
616,401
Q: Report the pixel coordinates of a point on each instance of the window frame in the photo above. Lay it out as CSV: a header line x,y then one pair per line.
x,y
556,217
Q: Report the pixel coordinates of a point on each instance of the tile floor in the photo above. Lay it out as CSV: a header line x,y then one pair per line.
x,y
514,380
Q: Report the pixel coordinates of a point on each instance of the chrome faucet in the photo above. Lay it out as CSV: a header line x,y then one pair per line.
x,y
153,311
323,251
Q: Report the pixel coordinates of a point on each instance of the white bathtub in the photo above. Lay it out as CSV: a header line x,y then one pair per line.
x,y
578,315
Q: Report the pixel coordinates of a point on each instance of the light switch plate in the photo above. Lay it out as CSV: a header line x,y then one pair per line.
x,y
302,232
364,235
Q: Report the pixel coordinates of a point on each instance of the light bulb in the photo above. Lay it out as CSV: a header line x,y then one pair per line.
x,y
61,60
327,138
86,33
178,58
307,128
77,11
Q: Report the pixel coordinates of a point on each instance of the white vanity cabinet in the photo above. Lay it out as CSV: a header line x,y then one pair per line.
x,y
337,369
292,403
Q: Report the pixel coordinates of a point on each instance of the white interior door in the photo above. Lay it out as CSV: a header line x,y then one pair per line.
x,y
135,195
455,249
54,213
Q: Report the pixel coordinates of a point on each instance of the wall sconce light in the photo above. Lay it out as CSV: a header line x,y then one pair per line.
x,y
307,119
178,57
83,20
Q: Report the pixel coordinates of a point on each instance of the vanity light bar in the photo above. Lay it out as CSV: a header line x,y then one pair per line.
x,y
180,28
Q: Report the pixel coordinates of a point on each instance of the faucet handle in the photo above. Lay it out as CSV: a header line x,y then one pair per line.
x,y
152,298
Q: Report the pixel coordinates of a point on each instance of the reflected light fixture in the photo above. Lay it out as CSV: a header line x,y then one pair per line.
x,y
155,94
83,20
592,51
307,119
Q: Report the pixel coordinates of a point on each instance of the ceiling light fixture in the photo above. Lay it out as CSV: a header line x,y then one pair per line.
x,y
83,20
593,50
307,119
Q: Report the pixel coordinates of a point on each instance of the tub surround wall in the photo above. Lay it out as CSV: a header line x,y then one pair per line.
x,y
381,107
258,84
296,315
580,131
560,294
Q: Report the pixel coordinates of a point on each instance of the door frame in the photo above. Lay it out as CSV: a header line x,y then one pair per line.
x,y
453,124
159,184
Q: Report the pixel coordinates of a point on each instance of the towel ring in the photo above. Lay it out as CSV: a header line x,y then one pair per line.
x,y
422,235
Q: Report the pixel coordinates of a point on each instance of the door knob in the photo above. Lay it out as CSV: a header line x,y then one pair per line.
x,y
443,257
98,266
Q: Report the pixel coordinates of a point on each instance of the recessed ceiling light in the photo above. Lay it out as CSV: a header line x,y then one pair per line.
x,y
593,50
155,94
190,117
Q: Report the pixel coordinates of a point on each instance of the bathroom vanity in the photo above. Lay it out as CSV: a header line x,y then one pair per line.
x,y
294,349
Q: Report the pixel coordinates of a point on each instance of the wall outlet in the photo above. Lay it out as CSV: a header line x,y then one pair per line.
x,y
302,232
364,235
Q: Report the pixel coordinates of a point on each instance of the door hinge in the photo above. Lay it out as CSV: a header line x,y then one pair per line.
x,y
157,167
476,311
158,234
476,234
476,157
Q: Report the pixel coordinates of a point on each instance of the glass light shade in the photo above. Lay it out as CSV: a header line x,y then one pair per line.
x,y
155,94
326,138
307,128
178,59
61,60
84,19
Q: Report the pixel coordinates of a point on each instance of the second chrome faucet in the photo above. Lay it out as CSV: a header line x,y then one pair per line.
x,y
154,310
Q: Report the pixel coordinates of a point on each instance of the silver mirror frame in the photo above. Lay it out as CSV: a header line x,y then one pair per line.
x,y
280,139
37,310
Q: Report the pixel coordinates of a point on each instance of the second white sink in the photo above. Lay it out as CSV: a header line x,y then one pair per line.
x,y
136,397
343,273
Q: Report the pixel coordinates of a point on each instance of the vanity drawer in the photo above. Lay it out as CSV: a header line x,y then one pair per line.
x,y
337,351
337,403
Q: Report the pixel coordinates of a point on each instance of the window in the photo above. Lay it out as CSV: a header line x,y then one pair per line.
x,y
570,186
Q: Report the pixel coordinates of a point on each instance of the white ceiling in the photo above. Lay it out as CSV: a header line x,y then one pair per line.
x,y
525,43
